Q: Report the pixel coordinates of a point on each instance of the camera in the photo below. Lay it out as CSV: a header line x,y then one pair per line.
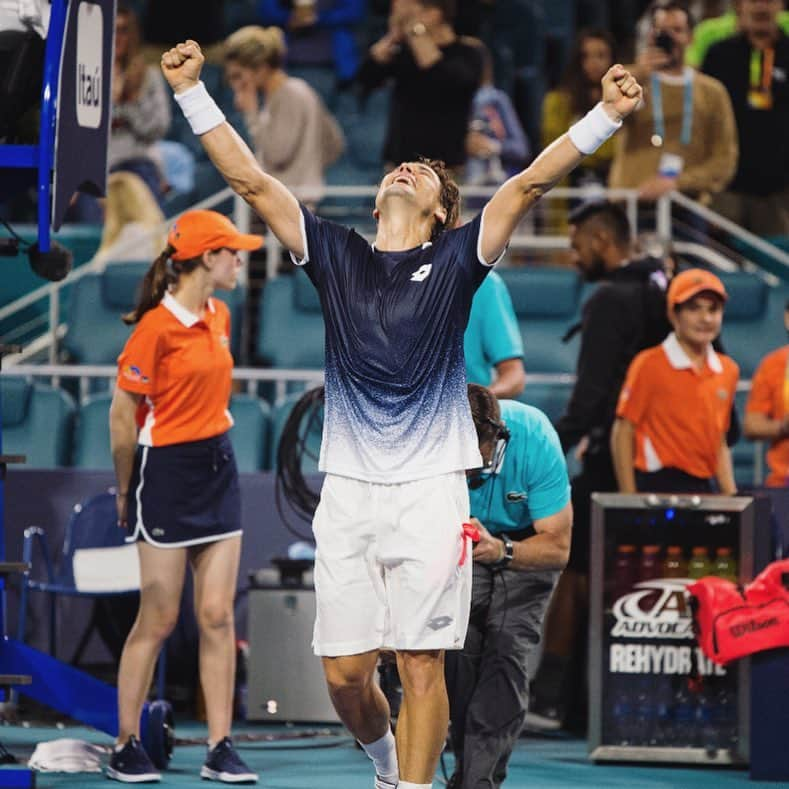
x,y
665,42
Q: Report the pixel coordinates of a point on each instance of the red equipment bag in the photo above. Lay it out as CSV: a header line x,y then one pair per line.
x,y
731,622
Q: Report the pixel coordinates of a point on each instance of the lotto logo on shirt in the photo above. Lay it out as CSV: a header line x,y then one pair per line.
x,y
133,373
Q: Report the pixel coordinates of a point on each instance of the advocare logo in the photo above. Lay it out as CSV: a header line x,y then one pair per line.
x,y
90,38
657,609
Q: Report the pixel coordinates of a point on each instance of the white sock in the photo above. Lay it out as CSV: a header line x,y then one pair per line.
x,y
407,785
384,756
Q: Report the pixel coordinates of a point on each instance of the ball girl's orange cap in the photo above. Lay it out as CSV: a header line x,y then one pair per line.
x,y
201,231
692,282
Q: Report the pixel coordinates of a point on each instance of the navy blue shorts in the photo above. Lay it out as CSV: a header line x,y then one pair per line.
x,y
184,494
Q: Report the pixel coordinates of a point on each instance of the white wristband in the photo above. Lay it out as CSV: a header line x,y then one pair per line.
x,y
200,109
588,134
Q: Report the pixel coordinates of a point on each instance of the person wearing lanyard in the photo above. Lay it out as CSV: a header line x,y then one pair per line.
x,y
685,137
754,67
178,492
520,505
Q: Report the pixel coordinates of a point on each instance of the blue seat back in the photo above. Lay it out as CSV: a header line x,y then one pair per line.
x,y
37,422
551,399
251,431
93,524
547,301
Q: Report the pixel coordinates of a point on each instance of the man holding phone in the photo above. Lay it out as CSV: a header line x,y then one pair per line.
x,y
685,137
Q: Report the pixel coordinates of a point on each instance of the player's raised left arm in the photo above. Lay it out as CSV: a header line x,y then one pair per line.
x,y
621,96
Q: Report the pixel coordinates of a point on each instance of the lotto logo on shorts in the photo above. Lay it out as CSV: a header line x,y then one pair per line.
x,y
90,35
133,373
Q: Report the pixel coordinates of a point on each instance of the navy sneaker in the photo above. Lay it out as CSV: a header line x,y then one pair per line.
x,y
223,764
131,764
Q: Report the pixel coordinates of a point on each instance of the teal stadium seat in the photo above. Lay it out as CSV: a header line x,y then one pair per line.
x,y
37,422
551,399
753,323
290,331
250,434
96,334
547,301
92,434
310,432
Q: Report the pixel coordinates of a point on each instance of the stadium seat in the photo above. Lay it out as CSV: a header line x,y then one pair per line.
x,y
92,434
250,434
745,453
551,399
290,333
753,323
310,431
96,334
547,301
37,422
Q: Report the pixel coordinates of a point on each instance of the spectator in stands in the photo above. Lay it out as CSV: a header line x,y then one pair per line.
x,y
320,32
685,137
294,135
435,75
141,106
140,118
625,313
520,502
133,221
719,28
754,67
177,480
592,56
492,343
496,144
767,411
657,446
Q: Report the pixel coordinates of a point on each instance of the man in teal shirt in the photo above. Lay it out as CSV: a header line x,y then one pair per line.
x,y
520,503
492,342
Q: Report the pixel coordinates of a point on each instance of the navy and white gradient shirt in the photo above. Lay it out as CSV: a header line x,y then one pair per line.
x,y
396,399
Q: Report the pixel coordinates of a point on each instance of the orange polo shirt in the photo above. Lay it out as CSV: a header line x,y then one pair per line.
x,y
769,398
680,414
181,364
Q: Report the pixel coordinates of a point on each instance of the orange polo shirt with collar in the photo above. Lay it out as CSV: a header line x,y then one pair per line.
x,y
769,397
182,366
680,414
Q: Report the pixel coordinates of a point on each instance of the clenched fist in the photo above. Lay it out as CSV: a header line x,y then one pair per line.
x,y
621,93
182,64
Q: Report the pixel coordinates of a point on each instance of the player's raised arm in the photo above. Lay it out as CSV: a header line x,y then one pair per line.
x,y
621,96
270,199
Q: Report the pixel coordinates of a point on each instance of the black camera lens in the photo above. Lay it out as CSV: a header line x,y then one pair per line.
x,y
665,42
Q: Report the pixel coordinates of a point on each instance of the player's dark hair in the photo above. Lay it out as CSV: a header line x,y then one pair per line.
x,y
449,196
162,273
611,216
485,412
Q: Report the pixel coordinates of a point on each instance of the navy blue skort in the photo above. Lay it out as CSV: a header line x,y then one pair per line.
x,y
184,494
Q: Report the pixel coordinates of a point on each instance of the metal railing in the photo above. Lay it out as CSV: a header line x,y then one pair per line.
x,y
542,231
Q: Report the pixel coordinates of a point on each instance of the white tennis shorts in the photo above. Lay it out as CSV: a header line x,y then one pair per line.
x,y
392,567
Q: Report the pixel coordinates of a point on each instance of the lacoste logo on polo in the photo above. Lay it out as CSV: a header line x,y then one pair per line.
x,y
515,495
439,622
422,273
157,532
